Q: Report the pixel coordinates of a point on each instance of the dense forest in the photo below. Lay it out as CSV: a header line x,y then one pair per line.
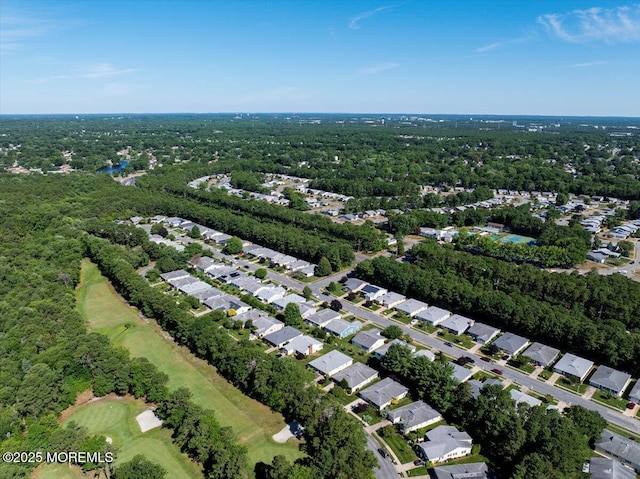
x,y
352,156
592,315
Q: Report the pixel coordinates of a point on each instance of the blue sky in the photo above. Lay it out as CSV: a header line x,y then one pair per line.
x,y
417,56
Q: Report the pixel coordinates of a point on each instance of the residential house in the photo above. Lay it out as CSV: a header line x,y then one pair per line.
x,y
474,470
606,468
634,395
482,333
372,292
208,293
265,325
511,343
247,284
619,447
173,275
353,285
610,380
302,346
382,350
227,303
457,324
414,416
425,352
342,328
306,309
444,443
461,373
368,340
279,338
573,366
412,307
298,265
383,393
596,256
179,283
331,363
322,317
194,287
270,294
541,355
356,376
281,303
203,263
222,272
391,299
520,397
433,315
477,386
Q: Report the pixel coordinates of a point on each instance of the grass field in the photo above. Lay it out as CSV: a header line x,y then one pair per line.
x,y
107,313
115,417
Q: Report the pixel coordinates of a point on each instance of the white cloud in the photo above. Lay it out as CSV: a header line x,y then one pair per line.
x,y
376,69
588,64
609,25
100,70
501,44
18,27
353,24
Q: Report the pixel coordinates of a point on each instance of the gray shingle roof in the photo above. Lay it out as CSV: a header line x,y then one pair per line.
x,y
383,392
282,336
510,343
482,332
474,470
609,378
356,374
606,468
573,365
625,450
367,339
327,363
541,354
414,414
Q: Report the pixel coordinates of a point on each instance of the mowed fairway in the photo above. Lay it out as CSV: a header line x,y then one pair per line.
x,y
115,417
107,313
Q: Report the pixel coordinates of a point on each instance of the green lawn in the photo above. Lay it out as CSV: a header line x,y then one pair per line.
x,y
402,318
418,471
577,388
253,422
57,471
463,340
115,417
545,374
610,400
400,447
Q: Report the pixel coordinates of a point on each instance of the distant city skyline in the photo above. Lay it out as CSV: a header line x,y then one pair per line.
x,y
564,58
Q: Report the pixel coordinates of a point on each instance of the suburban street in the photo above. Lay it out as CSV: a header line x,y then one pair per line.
x,y
425,339
385,469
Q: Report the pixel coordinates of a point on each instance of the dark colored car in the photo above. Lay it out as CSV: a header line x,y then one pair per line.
x,y
418,462
497,371
485,358
448,344
631,405
383,453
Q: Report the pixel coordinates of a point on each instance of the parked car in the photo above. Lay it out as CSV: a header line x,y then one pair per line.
x,y
448,344
497,371
485,358
418,462
631,405
383,453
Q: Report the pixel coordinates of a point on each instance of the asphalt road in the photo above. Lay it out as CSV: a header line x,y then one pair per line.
x,y
385,469
608,414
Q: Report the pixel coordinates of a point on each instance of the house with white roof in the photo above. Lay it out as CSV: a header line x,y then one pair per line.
x,y
457,324
384,393
433,315
208,293
322,317
270,294
356,376
302,346
520,397
412,307
281,304
610,380
382,350
331,363
227,303
391,299
173,275
573,366
368,340
607,468
444,443
460,372
414,416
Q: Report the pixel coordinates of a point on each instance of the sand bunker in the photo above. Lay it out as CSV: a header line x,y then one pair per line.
x,y
148,420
